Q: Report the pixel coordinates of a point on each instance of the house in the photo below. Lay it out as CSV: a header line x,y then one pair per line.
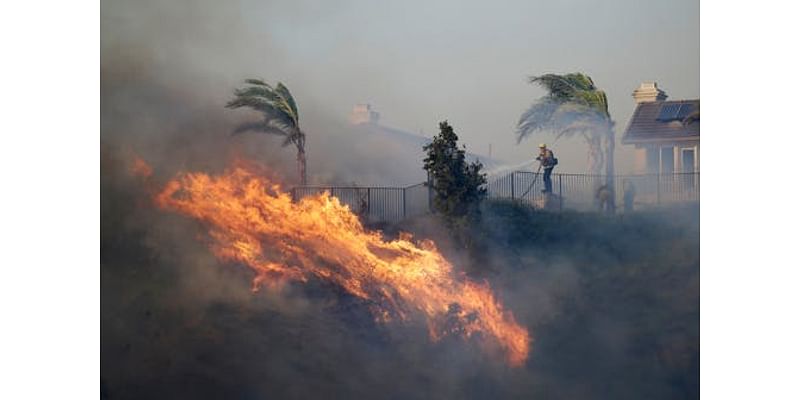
x,y
380,155
665,133
363,113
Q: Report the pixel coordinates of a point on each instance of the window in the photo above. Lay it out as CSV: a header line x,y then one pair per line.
x,y
687,166
687,160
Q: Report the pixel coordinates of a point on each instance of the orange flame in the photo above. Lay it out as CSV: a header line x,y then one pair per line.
x,y
140,168
253,222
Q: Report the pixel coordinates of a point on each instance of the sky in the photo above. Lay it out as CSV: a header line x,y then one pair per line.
x,y
421,62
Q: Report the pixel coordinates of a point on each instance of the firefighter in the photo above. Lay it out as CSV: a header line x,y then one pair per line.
x,y
547,161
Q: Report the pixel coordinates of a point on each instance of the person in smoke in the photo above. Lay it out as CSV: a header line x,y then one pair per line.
x,y
628,194
547,161
603,196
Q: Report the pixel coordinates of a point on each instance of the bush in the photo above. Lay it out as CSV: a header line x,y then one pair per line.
x,y
458,187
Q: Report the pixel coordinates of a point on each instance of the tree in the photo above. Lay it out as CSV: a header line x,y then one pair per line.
x,y
279,116
458,187
692,118
573,106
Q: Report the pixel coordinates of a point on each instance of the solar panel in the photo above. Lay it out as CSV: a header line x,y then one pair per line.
x,y
669,112
685,110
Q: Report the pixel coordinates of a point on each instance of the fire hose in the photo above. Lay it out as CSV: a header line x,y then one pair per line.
x,y
532,183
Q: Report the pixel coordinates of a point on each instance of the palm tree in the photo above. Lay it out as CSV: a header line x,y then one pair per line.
x,y
573,106
692,118
279,116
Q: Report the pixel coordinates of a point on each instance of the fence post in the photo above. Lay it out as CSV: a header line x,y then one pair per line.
x,y
294,195
404,203
697,186
513,175
369,202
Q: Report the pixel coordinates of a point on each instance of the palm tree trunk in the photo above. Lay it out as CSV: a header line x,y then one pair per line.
x,y
594,155
301,165
610,139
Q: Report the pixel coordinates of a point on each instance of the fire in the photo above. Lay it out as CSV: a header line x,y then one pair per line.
x,y
140,168
251,221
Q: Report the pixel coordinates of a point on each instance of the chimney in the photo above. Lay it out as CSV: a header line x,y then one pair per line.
x,y
647,92
362,113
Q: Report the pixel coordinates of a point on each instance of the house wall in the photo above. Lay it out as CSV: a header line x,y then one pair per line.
x,y
640,160
650,158
647,159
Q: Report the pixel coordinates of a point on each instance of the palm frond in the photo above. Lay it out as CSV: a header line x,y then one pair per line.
x,y
257,91
289,139
595,99
569,113
266,107
558,88
256,103
580,81
259,82
288,99
538,117
691,118
259,127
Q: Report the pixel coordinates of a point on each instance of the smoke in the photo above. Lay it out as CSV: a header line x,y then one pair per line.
x,y
503,170
602,298
176,323
168,68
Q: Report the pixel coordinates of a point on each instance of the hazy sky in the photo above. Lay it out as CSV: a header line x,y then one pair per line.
x,y
419,62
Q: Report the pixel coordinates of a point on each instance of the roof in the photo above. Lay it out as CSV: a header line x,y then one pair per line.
x,y
403,138
658,121
384,156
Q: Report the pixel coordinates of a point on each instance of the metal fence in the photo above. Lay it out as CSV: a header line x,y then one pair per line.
x,y
570,191
583,192
375,204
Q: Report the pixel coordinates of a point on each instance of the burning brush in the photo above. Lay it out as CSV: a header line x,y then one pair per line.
x,y
251,221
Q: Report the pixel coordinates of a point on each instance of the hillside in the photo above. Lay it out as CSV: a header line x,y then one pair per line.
x,y
612,305
613,302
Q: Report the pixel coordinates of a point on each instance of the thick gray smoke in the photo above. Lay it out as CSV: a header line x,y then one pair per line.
x,y
167,70
177,323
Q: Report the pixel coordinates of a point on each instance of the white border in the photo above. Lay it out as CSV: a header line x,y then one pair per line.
x,y
749,263
49,290
50,201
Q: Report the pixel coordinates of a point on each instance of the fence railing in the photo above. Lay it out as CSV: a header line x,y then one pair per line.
x,y
375,204
584,192
570,191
